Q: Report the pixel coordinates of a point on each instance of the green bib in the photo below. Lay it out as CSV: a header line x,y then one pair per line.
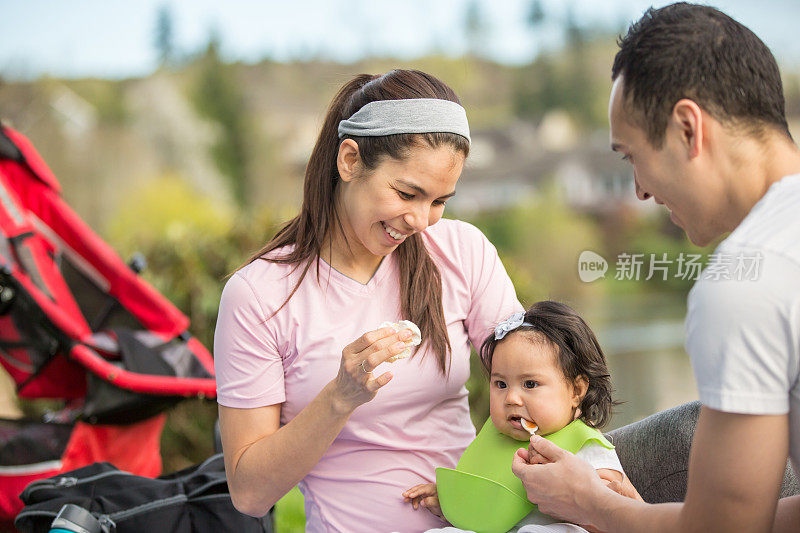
x,y
482,494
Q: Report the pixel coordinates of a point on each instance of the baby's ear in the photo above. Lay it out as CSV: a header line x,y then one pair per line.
x,y
580,386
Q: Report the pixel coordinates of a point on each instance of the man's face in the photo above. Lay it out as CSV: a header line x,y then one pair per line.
x,y
669,175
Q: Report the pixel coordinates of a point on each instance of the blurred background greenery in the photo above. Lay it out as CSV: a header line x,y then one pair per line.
x,y
197,164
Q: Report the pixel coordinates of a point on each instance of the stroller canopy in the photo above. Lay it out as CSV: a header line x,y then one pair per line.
x,y
73,315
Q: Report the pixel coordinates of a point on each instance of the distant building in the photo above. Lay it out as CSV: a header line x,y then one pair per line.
x,y
510,166
77,116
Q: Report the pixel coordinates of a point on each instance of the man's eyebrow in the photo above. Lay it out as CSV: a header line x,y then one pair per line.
x,y
616,147
420,190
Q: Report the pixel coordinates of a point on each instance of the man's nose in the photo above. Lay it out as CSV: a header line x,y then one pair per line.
x,y
640,193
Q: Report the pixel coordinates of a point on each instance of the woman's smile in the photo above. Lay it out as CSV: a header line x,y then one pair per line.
x,y
395,236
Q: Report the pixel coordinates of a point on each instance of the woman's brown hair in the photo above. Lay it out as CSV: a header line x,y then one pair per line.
x,y
420,281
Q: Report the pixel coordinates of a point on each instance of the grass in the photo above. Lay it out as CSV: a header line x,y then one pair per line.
x,y
290,514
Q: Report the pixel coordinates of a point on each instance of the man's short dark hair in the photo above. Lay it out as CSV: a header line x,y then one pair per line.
x,y
697,52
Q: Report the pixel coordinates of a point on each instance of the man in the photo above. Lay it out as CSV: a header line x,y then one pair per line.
x,y
697,108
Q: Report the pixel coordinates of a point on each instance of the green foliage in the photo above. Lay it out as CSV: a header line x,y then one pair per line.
x,y
478,387
217,96
654,238
107,98
166,207
568,78
539,244
565,82
191,244
188,436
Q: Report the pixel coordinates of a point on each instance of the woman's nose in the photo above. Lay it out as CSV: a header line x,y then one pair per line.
x,y
418,217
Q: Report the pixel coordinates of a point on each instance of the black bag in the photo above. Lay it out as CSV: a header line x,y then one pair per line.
x,y
194,500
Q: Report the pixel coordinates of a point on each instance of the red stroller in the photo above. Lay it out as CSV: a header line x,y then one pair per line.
x,y
78,324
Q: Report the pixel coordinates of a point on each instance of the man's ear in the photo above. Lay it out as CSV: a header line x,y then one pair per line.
x,y
348,160
687,119
579,388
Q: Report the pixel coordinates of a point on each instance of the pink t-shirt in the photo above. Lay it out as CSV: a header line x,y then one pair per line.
x,y
419,421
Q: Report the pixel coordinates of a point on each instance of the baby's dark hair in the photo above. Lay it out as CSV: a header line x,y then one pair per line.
x,y
578,354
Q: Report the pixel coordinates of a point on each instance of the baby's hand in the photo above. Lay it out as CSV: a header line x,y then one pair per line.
x,y
424,495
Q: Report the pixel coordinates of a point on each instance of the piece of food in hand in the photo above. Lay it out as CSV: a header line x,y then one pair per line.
x,y
530,427
415,340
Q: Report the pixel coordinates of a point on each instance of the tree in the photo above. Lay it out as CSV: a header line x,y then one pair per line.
x,y
474,27
217,97
581,92
164,36
559,80
536,14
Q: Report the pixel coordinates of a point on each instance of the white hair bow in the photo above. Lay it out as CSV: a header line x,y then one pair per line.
x,y
510,324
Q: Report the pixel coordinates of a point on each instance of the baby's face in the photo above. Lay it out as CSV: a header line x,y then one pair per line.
x,y
526,382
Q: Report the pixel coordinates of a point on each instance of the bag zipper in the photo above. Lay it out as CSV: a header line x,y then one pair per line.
x,y
119,516
62,482
203,488
149,506
108,521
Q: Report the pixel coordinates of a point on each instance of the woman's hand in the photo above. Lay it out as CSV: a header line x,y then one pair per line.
x,y
355,384
424,495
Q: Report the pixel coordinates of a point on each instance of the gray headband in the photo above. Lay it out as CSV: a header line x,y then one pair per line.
x,y
415,115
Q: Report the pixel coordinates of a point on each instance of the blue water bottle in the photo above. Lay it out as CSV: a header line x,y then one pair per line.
x,y
74,519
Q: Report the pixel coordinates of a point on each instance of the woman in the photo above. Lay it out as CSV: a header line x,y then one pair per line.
x,y
305,396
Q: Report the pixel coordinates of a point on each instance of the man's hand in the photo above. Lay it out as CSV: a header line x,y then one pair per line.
x,y
558,482
424,495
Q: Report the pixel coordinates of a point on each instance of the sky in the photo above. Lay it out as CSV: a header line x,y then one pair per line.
x,y
115,39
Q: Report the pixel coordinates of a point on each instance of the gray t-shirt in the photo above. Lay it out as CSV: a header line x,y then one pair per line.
x,y
743,320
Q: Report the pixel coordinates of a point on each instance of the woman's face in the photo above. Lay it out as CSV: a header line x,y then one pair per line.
x,y
381,208
527,382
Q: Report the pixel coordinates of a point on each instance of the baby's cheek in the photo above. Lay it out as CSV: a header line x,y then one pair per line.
x,y
497,420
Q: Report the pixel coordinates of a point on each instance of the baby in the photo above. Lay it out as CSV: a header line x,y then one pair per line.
x,y
547,371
